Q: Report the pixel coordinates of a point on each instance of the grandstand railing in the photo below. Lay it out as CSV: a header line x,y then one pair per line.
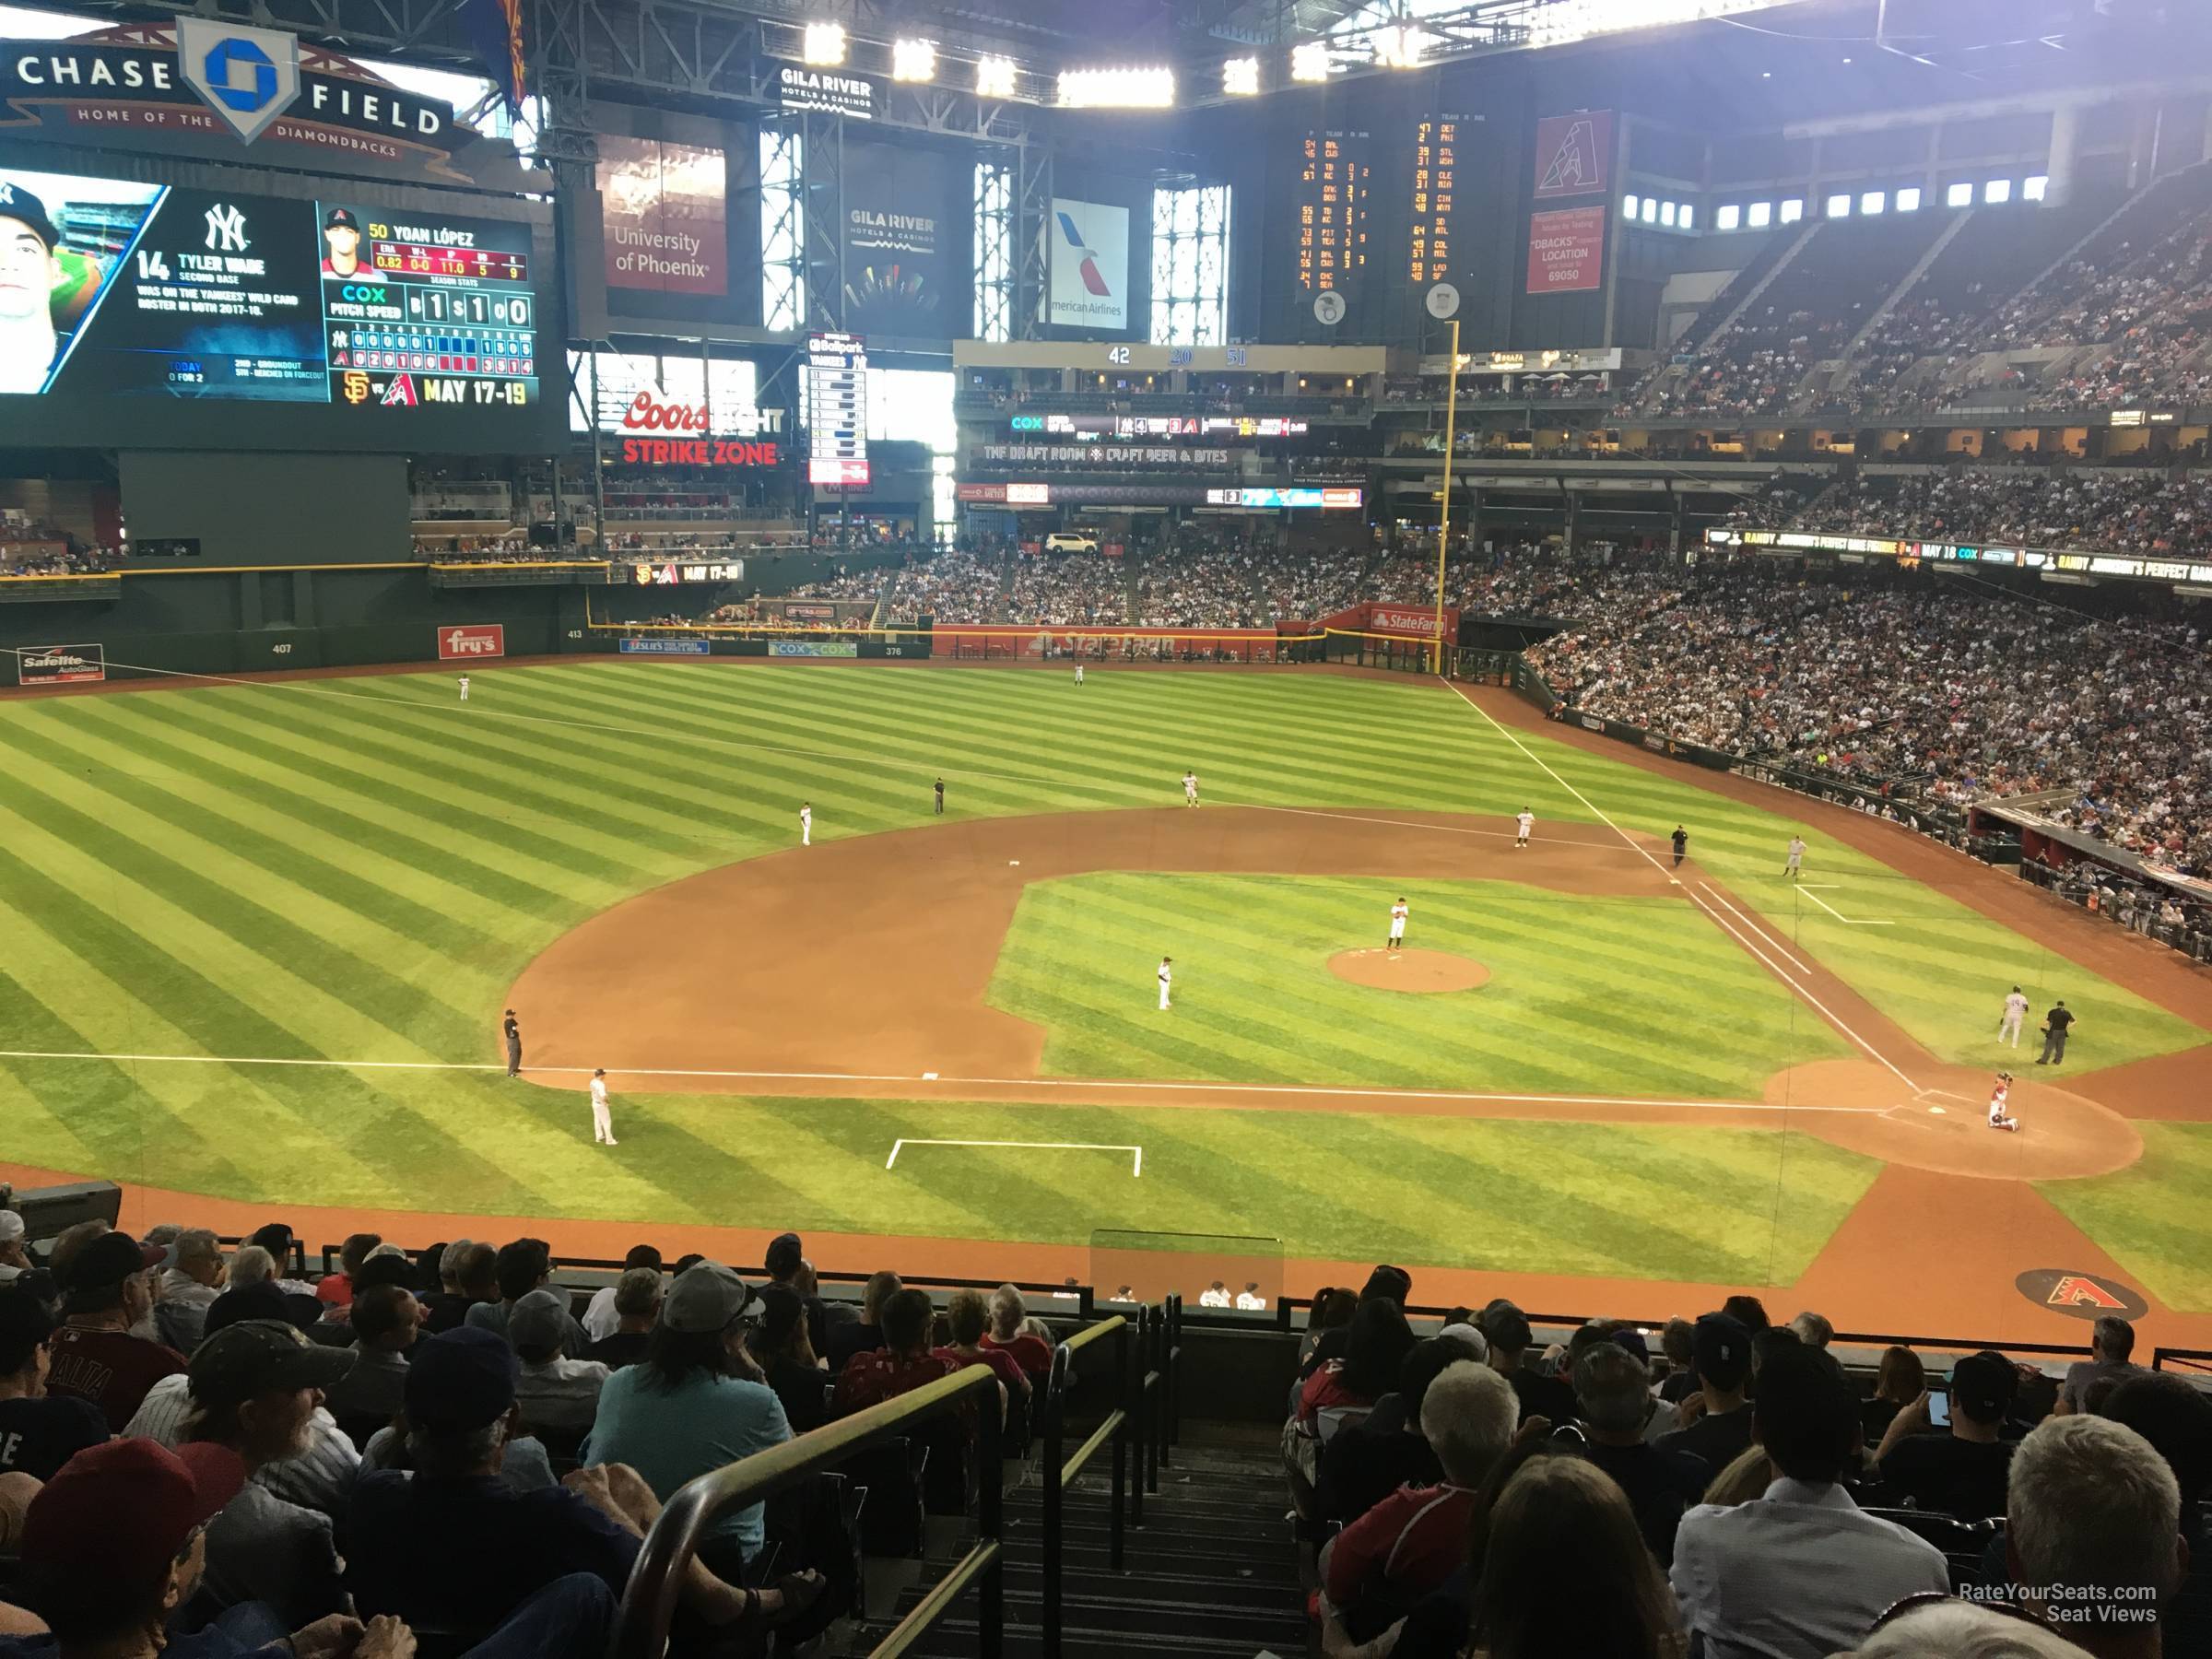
x,y
1112,1432
2194,1362
670,1549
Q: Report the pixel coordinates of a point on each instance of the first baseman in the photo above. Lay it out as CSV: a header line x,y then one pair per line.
x,y
1166,978
1398,913
603,1122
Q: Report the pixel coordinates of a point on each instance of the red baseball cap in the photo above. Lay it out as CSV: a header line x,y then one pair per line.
x,y
124,1510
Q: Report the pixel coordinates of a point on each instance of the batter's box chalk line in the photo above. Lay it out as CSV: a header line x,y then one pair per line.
x,y
1136,1154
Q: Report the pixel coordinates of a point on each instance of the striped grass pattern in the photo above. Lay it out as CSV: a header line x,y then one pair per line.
x,y
358,869
1588,996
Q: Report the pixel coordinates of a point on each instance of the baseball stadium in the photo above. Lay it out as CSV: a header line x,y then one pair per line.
x,y
1491,716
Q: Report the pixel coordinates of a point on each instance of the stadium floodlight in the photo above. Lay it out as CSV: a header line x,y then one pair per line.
x,y
913,60
1117,88
1310,61
1564,21
825,43
1396,46
995,76
1241,77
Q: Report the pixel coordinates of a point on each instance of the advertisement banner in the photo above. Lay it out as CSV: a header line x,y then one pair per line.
x,y
795,610
813,648
1573,153
635,647
1090,266
898,222
469,640
661,206
57,664
1406,619
1566,251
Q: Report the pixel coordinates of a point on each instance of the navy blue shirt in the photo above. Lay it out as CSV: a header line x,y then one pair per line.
x,y
37,1437
462,1554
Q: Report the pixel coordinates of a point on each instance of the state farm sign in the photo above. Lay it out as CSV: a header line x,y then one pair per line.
x,y
473,640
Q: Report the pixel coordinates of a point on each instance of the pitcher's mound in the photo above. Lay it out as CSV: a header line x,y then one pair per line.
x,y
1410,970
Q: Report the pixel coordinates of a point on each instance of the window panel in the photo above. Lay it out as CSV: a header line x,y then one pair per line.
x,y
1190,266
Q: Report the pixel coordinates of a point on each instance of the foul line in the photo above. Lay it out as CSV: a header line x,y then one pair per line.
x,y
1721,898
1137,1173
1831,910
934,1080
1780,972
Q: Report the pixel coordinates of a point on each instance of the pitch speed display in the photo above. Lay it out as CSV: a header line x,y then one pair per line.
x,y
111,289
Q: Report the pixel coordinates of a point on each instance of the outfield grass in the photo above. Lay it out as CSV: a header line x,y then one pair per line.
x,y
357,870
2151,1215
1576,1002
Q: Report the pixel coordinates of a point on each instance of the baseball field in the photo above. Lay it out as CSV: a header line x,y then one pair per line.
x,y
255,940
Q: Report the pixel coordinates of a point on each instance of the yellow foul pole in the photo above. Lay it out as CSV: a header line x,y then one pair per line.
x,y
1443,517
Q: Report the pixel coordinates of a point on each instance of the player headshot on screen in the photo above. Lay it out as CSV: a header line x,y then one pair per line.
x,y
28,340
341,243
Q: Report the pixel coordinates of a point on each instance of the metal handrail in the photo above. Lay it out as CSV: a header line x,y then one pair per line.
x,y
1172,1404
657,1577
1112,1430
2197,1359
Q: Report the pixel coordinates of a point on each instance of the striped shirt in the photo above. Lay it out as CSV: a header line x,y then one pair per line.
x,y
319,1478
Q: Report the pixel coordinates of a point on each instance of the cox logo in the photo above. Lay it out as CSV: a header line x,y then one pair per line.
x,y
369,296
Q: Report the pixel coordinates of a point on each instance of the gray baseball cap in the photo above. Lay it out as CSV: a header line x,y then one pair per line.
x,y
705,1297
539,1319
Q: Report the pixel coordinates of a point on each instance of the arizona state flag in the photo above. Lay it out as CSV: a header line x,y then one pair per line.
x,y
495,28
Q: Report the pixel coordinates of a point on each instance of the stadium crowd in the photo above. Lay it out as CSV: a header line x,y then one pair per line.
x,y
2109,509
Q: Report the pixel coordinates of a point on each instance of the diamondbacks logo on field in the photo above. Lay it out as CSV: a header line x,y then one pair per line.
x,y
1571,153
2081,1295
249,76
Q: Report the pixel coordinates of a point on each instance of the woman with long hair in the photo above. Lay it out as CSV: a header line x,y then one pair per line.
x,y
1566,1571
1902,1380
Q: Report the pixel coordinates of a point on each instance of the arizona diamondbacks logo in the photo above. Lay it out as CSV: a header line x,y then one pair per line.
x,y
1573,166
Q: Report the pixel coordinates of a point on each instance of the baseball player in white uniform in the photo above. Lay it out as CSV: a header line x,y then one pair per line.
x,y
1079,674
603,1122
1398,913
805,823
1166,978
1796,856
2008,1023
464,687
1190,789
1524,821
1999,1117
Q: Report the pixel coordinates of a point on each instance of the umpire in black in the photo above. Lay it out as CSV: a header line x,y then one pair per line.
x,y
514,1033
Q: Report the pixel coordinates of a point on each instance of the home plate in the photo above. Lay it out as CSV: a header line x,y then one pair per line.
x,y
1013,863
929,1076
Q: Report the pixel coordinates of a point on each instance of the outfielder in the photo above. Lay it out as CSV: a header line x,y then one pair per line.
x,y
603,1122
1524,821
1796,856
1190,789
464,687
805,823
2008,1022
1398,913
1999,1117
1166,979
1079,674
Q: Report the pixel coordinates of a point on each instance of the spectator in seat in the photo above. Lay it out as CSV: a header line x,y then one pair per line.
x,y
1368,1461
335,1289
524,1265
695,1403
1565,1571
387,1267
15,1258
1722,1359
1392,1285
1331,1311
2175,1417
187,1288
455,1548
866,1335
788,1269
479,1277
1899,1382
253,1293
2112,1340
1813,1329
1677,1341
1958,1471
447,1304
1958,1629
601,1318
254,1389
785,1353
1801,1572
95,1355
1375,1346
1505,1327
637,1305
968,1315
278,1240
1033,1354
320,1478
1613,1389
1410,1543
386,1322
1748,1310
38,1432
903,1364
2093,1518
556,1395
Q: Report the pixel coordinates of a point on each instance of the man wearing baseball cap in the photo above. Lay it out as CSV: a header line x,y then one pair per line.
x,y
38,1432
95,1355
341,243
1721,1351
456,1547
254,1388
1960,1471
14,1257
27,277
